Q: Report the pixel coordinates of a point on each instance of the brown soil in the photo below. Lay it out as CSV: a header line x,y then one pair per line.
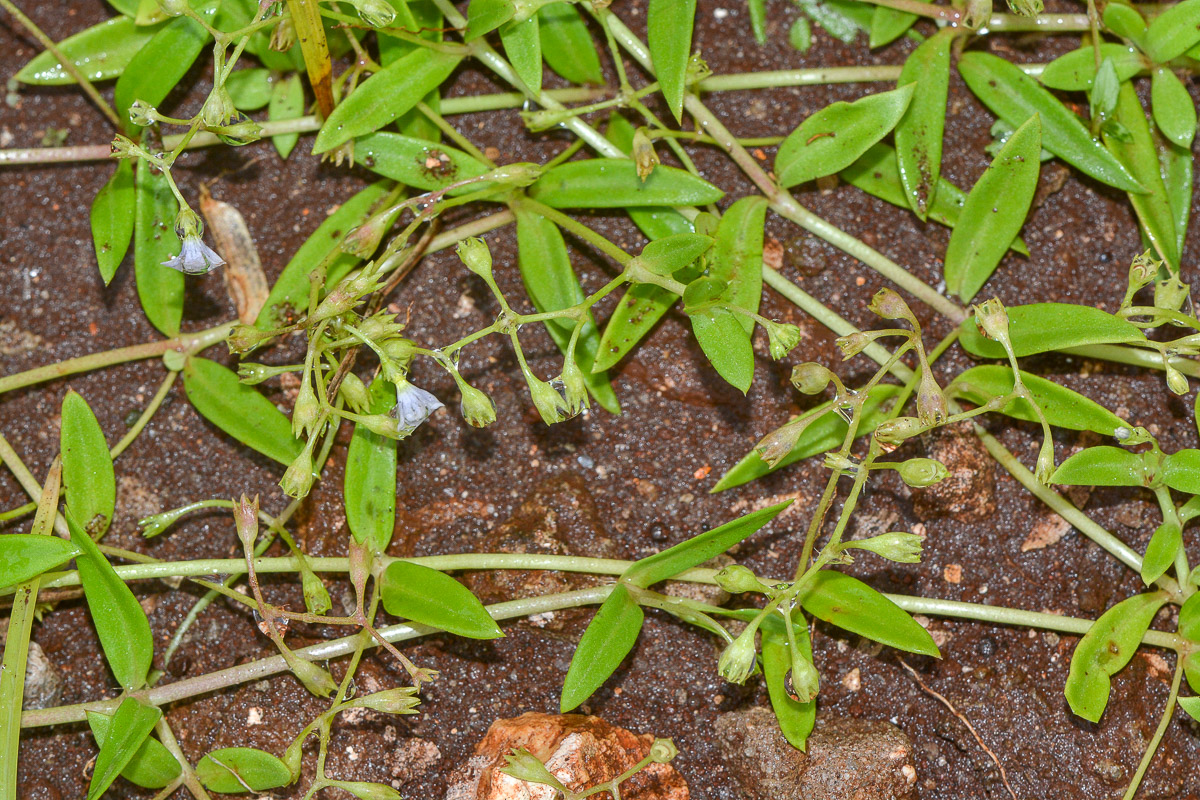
x,y
680,422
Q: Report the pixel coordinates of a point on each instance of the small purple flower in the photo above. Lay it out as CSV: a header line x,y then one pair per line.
x,y
196,258
413,405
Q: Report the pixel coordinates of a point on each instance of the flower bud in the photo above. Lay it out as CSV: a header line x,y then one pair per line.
x,y
1176,381
355,393
811,377
142,113
124,147
574,387
155,524
852,344
737,579
644,154
379,327
475,254
376,13
1142,270
777,444
367,790
250,373
383,425
783,337
298,478
401,700
525,766
895,431
316,596
551,405
1026,8
283,38
306,411
737,659
992,318
890,305
921,472
218,108
402,351
364,240
899,546
477,408
1045,462
520,174
805,681
245,518
931,403
244,338
663,751
243,132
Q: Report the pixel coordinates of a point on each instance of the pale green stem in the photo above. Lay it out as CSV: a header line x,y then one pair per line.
x,y
146,416
1152,748
188,778
10,459
1047,23
1134,356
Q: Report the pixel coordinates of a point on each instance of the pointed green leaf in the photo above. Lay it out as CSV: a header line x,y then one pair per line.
x,y
290,292
1062,407
758,19
130,729
889,24
1124,21
737,255
567,45
614,183
287,102
725,343
232,769
552,285
523,46
1140,157
669,37
1105,649
824,433
994,212
1075,71
112,220
369,487
408,160
161,63
1173,32
1015,97
796,719
239,410
608,639
1160,552
89,482
152,765
27,555
1174,112
1191,706
919,131
695,551
160,289
250,89
834,137
1102,466
1176,165
1042,327
1181,470
120,623
100,53
848,603
670,254
484,16
425,595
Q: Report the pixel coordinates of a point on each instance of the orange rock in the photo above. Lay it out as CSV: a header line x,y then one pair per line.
x,y
580,751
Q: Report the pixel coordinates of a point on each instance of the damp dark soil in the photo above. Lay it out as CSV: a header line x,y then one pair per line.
x,y
629,484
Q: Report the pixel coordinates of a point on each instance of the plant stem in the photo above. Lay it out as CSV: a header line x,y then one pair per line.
x,y
1134,356
146,416
1047,23
1152,748
67,64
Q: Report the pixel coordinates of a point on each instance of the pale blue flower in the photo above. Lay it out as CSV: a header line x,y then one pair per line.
x,y
413,405
195,258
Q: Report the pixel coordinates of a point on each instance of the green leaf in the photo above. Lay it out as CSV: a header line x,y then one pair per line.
x,y
152,765
1124,21
112,220
1181,470
757,10
484,16
120,623
290,292
425,595
994,212
1062,407
695,551
161,63
523,46
1174,112
287,102
670,254
1160,552
614,183
89,483
888,25
1176,167
1189,620
669,37
1140,157
1191,706
423,16
567,45
552,286
919,131
877,173
1075,71
725,343
822,434
1042,327
159,288
407,160
737,255
800,35
608,639
100,52
1173,32
232,769
1102,466
1105,649
796,719
1015,97
239,410
27,555
250,89
369,487
386,95
130,728
850,604
841,20
834,137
